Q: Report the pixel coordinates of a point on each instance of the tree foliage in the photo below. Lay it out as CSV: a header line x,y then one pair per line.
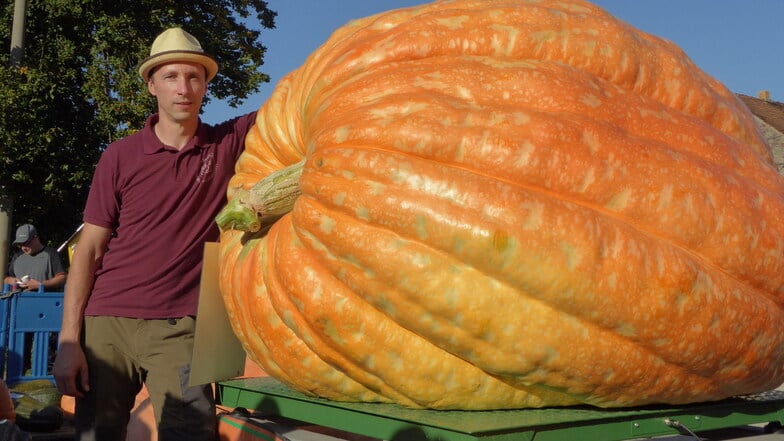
x,y
78,89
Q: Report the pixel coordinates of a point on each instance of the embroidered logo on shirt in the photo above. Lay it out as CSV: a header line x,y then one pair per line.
x,y
207,167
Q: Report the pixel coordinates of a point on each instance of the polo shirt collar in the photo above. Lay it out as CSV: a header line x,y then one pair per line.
x,y
152,144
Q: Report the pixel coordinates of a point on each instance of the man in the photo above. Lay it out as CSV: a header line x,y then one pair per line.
x,y
130,304
35,265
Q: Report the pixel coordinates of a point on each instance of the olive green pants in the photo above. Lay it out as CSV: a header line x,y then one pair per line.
x,y
125,353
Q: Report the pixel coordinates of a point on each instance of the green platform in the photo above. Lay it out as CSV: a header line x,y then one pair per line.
x,y
390,422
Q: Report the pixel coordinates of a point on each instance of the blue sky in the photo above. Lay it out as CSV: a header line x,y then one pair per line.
x,y
739,42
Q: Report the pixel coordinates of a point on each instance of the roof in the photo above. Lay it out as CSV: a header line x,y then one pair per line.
x,y
769,116
772,112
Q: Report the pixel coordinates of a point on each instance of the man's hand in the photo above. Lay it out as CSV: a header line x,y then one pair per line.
x,y
70,370
29,284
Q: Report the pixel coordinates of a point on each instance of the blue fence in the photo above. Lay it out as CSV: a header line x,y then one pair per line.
x,y
29,326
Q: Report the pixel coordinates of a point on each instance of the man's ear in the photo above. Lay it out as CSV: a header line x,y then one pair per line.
x,y
151,86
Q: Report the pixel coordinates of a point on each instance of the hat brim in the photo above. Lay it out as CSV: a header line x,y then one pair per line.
x,y
178,56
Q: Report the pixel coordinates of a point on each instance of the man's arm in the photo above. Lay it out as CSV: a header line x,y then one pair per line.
x,y
70,367
10,277
56,282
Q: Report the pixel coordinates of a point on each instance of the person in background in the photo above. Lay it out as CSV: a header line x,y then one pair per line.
x,y
35,264
129,312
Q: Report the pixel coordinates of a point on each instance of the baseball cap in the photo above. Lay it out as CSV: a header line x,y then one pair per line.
x,y
24,233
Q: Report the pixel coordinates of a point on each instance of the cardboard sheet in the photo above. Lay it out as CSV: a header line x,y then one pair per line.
x,y
217,353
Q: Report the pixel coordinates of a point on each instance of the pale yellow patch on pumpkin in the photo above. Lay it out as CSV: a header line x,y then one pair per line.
x,y
421,226
589,48
535,218
655,113
612,280
453,23
620,200
332,333
571,254
501,48
327,224
591,100
665,197
387,114
463,44
362,213
340,305
626,329
589,177
339,199
572,7
524,153
341,134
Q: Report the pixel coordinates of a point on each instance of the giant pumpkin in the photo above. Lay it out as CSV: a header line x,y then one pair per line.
x,y
506,204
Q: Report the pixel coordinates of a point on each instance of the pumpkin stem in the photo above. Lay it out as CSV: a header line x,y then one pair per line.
x,y
272,196
237,215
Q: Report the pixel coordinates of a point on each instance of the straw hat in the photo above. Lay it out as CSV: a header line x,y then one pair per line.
x,y
176,45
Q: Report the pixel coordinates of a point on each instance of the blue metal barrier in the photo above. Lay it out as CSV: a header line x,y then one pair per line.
x,y
29,326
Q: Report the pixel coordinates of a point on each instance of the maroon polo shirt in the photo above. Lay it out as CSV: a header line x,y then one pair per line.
x,y
161,204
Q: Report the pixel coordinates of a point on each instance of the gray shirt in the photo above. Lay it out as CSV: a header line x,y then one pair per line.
x,y
41,266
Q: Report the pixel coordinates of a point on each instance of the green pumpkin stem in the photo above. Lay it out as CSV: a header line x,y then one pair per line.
x,y
272,196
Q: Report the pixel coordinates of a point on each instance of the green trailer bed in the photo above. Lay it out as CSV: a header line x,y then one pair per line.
x,y
391,422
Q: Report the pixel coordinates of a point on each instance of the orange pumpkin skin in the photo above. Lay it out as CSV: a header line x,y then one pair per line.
x,y
510,204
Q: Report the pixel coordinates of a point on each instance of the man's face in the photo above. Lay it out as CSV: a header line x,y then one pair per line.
x,y
179,88
30,246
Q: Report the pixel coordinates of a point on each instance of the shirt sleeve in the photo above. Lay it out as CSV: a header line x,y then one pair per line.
x,y
103,202
56,263
11,266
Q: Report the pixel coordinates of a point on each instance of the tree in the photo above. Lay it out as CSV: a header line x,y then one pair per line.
x,y
78,89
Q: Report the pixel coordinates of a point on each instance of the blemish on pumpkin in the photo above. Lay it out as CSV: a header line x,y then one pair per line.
x,y
395,112
665,197
591,100
340,305
626,329
370,361
524,152
420,224
589,177
589,48
590,141
376,188
288,319
339,198
332,333
535,217
421,260
453,23
327,225
612,281
362,213
571,255
656,113
341,134
520,118
619,201
511,32
500,240
458,244
315,294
